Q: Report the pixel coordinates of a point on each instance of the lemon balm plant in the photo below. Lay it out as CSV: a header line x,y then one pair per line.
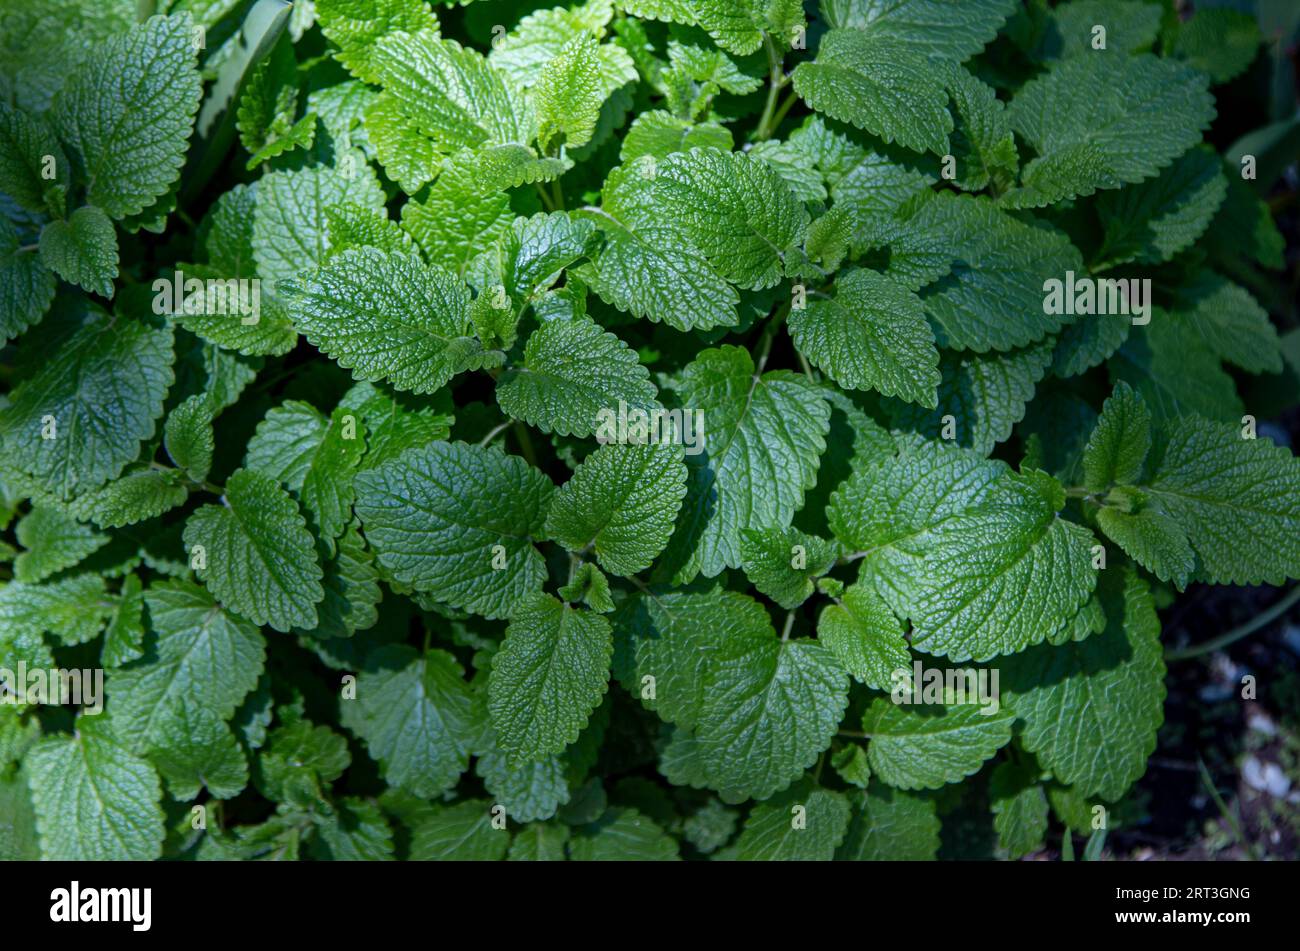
x,y
634,429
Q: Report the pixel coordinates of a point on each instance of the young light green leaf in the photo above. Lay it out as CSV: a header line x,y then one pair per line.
x,y
865,636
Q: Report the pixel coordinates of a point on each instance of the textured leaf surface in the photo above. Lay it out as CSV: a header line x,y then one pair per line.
x,y
622,500
924,747
1091,708
877,83
871,335
551,672
762,445
415,713
104,386
126,113
435,515
1100,122
261,560
572,370
736,209
94,799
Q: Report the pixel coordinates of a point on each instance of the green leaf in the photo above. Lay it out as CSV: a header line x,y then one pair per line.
x,y
456,219
229,248
935,28
622,835
415,713
127,111
73,609
784,563
355,26
351,586
984,394
1120,442
124,637
971,552
1173,368
201,653
573,373
865,636
436,516
890,825
991,292
1019,810
290,228
451,93
1101,122
261,560
982,142
94,800
1158,218
1230,322
569,93
1236,499
529,790
1002,576
459,833
659,134
193,749
770,708
1220,42
924,747
188,436
803,824
540,842
26,139
871,335
82,250
386,316
26,285
395,422
736,209
550,674
102,383
765,436
1091,708
53,541
622,500
1129,28
408,156
878,83
648,266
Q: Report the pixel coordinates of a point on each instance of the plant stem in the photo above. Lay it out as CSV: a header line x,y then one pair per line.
x,y
525,443
769,337
493,433
776,80
789,623
1227,813
1263,619
791,98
